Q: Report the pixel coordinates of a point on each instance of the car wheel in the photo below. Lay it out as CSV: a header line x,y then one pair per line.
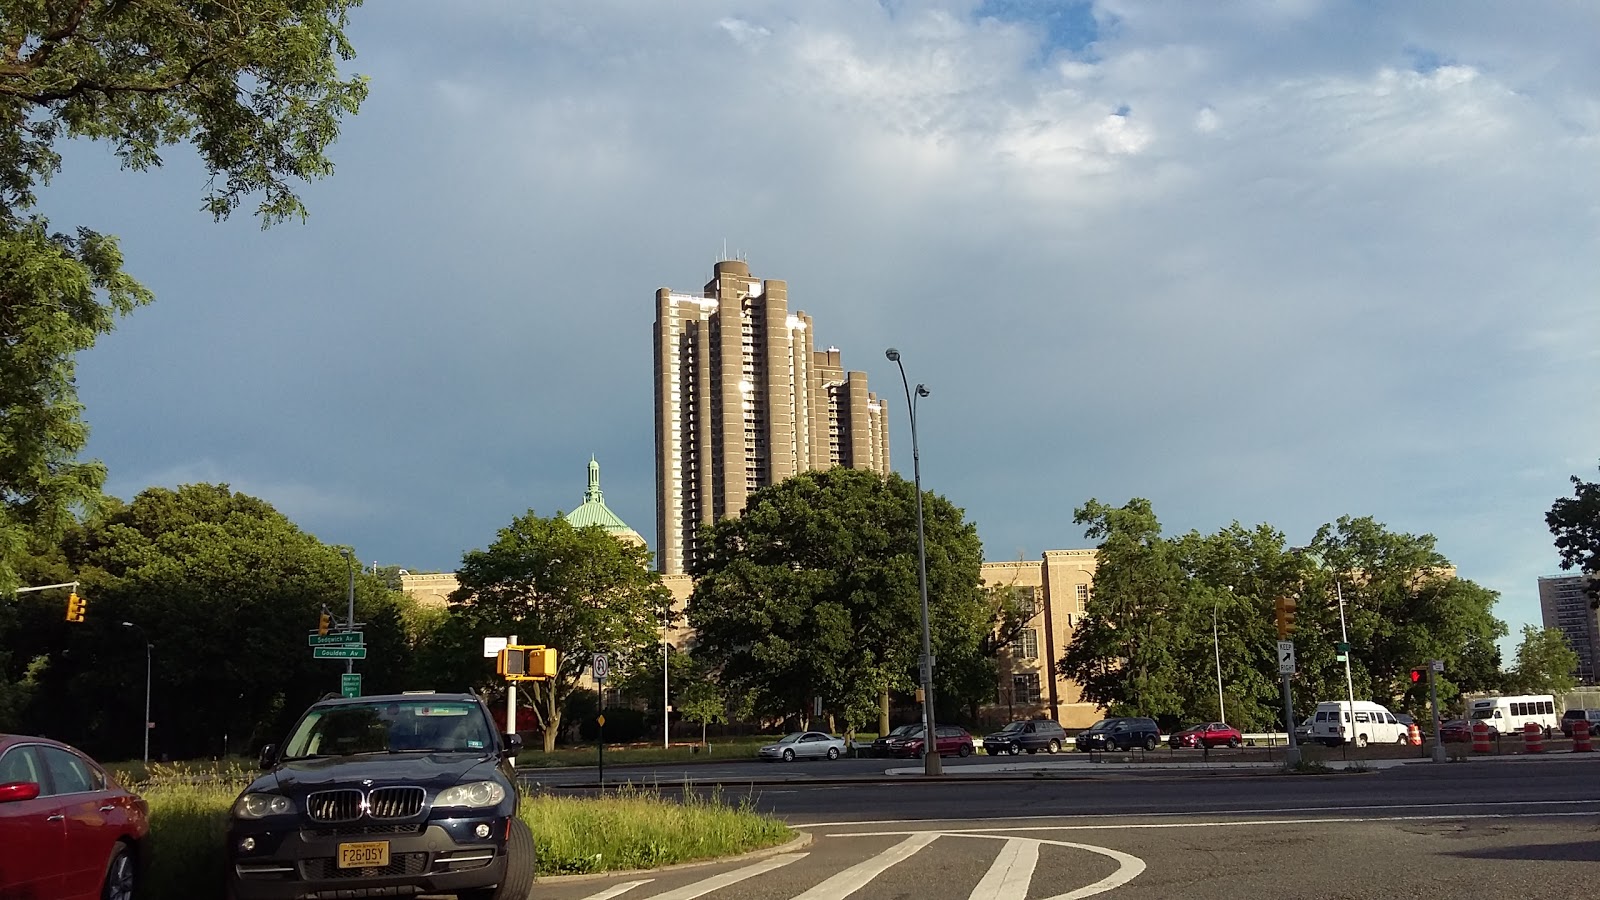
x,y
788,756
521,861
120,875
833,752
1055,746
1014,749
965,751
1150,742
1361,740
1235,743
1404,739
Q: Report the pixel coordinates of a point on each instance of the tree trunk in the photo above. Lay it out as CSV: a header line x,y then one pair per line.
x,y
883,713
552,717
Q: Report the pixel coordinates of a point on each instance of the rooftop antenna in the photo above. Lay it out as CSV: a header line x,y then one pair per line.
x,y
724,256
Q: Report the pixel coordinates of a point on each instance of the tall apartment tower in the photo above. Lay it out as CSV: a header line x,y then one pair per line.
x,y
1564,605
744,400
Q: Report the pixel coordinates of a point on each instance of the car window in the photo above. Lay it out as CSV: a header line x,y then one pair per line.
x,y
19,764
392,726
68,773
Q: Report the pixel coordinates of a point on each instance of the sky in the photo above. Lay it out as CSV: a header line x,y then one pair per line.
x,y
1265,261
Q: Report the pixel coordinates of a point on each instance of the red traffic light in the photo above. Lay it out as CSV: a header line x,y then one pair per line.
x,y
1416,675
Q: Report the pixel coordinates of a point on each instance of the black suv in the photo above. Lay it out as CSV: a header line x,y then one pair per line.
x,y
1033,735
384,796
1121,734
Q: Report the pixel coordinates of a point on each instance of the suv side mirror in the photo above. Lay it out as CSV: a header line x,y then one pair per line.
x,y
513,743
269,755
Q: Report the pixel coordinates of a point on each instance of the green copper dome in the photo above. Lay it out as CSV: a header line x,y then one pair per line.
x,y
594,510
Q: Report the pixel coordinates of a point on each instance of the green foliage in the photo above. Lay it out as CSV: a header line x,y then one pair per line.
x,y
226,589
812,591
579,590
1575,523
1163,611
1545,664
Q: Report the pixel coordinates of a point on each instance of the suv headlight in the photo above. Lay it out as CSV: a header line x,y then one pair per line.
x,y
259,806
477,794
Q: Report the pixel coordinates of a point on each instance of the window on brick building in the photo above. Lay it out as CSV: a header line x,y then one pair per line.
x,y
1025,687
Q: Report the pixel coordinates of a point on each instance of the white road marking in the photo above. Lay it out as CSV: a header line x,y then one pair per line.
x,y
717,882
617,890
843,884
1125,826
1008,878
1237,812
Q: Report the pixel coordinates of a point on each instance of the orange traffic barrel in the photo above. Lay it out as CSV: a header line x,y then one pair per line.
x,y
1533,738
1480,736
1414,734
1580,737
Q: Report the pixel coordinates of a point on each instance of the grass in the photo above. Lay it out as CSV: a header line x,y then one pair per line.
x,y
634,829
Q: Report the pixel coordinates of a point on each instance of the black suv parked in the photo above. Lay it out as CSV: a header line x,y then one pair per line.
x,y
1121,734
1592,716
1033,735
384,796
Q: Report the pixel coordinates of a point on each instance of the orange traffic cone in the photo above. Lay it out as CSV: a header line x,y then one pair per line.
x,y
1533,738
1480,737
1580,737
1414,734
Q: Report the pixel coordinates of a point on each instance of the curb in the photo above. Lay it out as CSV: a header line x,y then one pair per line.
x,y
800,841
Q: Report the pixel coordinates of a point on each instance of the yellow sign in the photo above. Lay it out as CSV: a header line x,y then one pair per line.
x,y
601,721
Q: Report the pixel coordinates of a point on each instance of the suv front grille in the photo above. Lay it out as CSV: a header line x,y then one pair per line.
x,y
355,830
394,802
334,806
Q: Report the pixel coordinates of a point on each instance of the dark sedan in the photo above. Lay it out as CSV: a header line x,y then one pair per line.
x,y
880,747
387,795
67,829
1460,731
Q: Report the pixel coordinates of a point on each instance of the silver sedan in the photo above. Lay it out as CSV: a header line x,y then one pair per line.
x,y
804,744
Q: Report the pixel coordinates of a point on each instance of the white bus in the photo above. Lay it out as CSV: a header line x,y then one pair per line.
x,y
1509,715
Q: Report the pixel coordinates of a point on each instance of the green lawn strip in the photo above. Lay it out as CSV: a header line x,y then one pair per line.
x,y
188,824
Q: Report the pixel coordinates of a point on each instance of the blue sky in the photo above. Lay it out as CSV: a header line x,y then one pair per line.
x,y
1269,261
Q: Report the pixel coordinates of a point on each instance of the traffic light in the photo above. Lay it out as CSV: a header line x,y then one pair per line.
x,y
526,663
1285,611
324,622
76,607
1416,675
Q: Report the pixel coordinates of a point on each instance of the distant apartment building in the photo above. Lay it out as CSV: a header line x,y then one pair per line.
x,y
1564,605
743,400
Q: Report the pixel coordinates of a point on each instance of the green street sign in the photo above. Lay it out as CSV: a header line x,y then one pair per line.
x,y
336,638
350,684
338,653
1341,651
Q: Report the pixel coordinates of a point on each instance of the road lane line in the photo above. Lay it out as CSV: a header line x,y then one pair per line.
x,y
847,882
1135,826
718,882
1012,872
617,890
1235,812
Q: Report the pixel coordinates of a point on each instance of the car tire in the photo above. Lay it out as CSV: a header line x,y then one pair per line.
x,y
833,752
1150,742
1014,749
522,860
788,755
122,875
1055,747
1235,743
965,751
1361,741
1404,739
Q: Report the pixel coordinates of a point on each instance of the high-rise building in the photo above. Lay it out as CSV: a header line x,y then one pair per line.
x,y
1564,605
743,400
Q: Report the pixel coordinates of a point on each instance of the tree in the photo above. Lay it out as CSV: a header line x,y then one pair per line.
x,y
812,591
254,84
701,698
1575,522
1545,664
578,590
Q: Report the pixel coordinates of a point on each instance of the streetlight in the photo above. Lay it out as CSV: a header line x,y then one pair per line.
x,y
930,737
350,621
148,650
1222,712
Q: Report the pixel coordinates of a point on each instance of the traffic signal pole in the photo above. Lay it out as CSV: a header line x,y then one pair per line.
x,y
1433,688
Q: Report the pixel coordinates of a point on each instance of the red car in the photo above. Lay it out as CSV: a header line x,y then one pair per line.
x,y
953,741
1460,730
67,830
1211,734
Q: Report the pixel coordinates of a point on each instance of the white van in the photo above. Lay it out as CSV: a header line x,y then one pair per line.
x,y
1509,715
1373,724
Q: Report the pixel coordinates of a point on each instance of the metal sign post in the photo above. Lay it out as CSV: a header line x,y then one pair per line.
x,y
1286,668
1433,688
511,701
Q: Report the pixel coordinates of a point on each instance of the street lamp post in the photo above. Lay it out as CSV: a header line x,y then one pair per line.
x,y
149,649
930,736
1222,711
350,620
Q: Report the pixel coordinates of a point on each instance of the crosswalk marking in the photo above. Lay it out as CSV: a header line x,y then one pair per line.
x,y
717,882
853,879
1012,872
617,890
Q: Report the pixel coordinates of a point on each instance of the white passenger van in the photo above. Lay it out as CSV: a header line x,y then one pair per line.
x,y
1509,715
1373,724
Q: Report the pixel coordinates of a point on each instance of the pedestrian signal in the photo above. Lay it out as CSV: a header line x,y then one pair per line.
x,y
1416,675
1285,613
526,663
76,607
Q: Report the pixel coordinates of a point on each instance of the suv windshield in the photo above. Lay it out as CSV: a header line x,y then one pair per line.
x,y
1104,724
392,726
1015,726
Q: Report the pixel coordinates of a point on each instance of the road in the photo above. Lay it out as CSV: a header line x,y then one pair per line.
x,y
1525,828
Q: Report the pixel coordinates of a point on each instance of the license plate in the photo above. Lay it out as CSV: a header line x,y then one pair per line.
x,y
365,855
